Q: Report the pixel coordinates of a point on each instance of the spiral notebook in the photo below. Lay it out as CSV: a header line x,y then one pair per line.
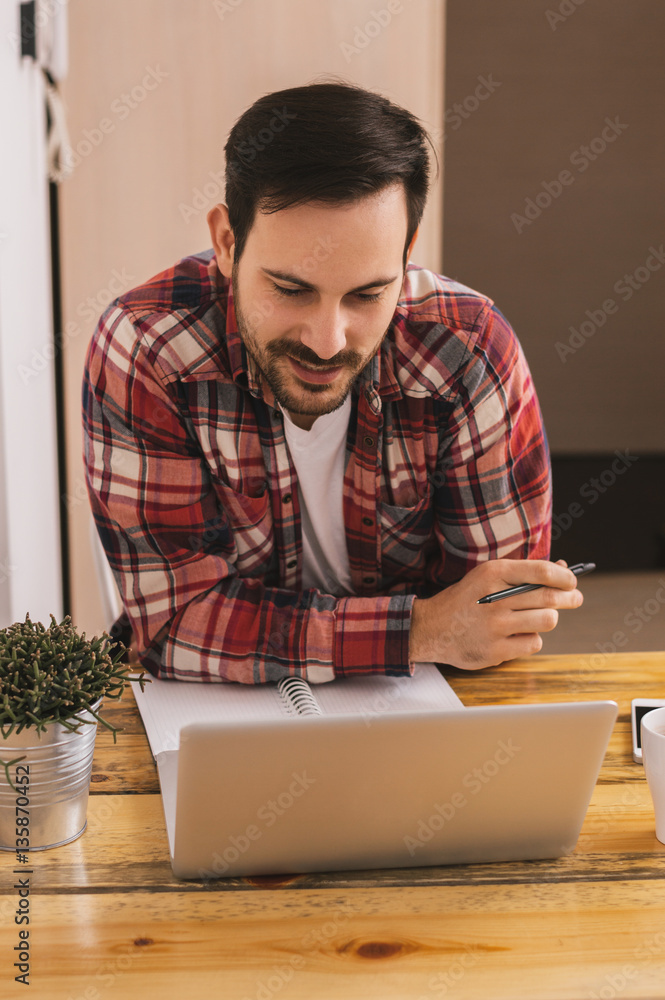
x,y
364,773
167,706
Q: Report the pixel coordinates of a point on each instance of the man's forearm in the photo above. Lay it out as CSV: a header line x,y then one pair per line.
x,y
252,634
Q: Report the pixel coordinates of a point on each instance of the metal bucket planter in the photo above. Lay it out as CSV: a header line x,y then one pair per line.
x,y
51,785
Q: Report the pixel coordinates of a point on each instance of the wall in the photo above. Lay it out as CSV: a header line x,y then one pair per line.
x,y
569,261
555,207
153,88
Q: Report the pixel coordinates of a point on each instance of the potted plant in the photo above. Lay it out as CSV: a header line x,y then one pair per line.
x,y
52,683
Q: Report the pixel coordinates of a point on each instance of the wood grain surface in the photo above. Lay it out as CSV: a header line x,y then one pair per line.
x,y
108,920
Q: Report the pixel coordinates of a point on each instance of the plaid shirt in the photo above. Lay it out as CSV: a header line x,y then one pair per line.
x,y
196,501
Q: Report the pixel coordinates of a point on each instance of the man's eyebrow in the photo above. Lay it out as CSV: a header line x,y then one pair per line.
x,y
293,280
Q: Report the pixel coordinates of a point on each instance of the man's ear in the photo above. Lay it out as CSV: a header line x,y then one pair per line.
x,y
222,237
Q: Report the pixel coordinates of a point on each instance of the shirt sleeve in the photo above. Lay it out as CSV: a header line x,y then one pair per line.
x,y
169,544
492,487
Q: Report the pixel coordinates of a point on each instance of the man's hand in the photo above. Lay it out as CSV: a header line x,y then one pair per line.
x,y
453,628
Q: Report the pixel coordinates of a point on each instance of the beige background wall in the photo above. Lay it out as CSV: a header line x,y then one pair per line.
x,y
556,79
153,87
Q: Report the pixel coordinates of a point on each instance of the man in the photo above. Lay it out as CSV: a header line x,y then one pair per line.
x,y
302,456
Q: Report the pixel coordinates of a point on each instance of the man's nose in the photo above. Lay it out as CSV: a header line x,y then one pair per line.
x,y
325,333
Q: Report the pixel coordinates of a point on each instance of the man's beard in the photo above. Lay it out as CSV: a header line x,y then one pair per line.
x,y
294,395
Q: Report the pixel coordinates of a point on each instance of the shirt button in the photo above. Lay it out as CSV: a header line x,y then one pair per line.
x,y
368,521
368,579
292,563
276,415
287,498
369,441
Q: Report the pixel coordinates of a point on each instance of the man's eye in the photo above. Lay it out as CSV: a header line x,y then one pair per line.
x,y
295,292
289,292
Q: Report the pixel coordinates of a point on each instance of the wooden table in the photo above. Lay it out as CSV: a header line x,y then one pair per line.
x,y
108,920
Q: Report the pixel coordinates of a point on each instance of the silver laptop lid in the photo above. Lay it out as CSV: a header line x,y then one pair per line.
x,y
497,783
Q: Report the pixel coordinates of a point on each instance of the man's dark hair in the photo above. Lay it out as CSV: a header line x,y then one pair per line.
x,y
330,142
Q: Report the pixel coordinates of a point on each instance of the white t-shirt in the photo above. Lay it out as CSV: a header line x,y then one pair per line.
x,y
318,456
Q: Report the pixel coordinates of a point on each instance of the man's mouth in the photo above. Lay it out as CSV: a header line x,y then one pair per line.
x,y
320,376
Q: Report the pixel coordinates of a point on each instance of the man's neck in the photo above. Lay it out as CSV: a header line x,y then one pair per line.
x,y
302,420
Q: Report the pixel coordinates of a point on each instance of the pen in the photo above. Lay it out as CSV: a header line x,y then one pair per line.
x,y
579,569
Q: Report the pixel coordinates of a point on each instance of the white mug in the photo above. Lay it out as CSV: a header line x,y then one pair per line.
x,y
653,753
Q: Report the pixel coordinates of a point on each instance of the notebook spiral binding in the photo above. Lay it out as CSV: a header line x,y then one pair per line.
x,y
297,696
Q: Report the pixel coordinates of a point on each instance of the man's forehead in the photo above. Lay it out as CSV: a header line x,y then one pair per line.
x,y
391,199
374,226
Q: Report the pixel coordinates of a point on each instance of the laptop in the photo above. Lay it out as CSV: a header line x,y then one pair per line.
x,y
392,787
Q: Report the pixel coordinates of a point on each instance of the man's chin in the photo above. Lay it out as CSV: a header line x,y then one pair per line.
x,y
310,399
315,401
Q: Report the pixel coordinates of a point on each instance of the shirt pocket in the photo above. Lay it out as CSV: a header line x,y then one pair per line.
x,y
406,538
250,520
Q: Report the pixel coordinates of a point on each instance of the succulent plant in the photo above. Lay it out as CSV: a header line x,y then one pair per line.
x,y
52,674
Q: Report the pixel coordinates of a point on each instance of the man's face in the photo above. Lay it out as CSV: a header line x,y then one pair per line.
x,y
315,290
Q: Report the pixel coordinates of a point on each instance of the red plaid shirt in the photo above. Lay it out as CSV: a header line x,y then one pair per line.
x,y
196,501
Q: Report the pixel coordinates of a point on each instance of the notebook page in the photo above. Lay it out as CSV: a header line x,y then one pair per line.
x,y
426,690
167,706
167,768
